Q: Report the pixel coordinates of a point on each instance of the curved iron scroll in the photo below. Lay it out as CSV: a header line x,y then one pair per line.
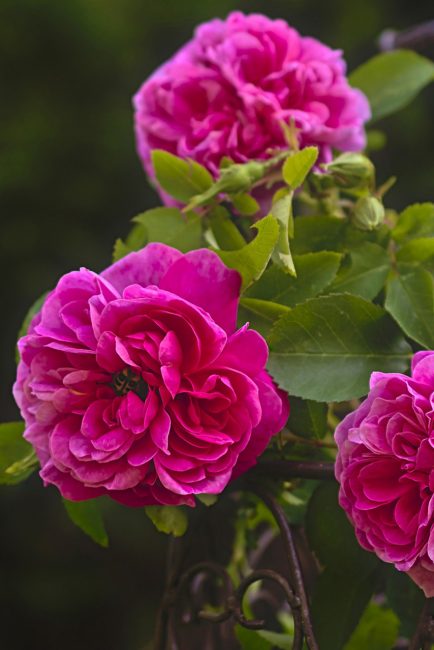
x,y
183,581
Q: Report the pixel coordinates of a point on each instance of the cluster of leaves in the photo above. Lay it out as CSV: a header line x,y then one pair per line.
x,y
339,286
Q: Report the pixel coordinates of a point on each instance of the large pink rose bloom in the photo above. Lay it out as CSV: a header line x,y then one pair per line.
x,y
386,469
135,383
227,92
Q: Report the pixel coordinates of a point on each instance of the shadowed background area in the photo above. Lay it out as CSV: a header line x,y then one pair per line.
x,y
69,183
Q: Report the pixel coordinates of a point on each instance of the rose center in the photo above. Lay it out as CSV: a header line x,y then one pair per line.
x,y
127,380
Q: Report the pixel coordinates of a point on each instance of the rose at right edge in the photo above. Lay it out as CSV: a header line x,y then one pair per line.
x,y
385,467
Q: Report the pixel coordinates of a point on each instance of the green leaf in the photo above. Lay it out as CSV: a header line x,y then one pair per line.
x,y
136,239
414,222
87,515
281,210
363,273
17,458
120,250
353,237
277,639
405,598
295,500
170,226
207,499
261,314
350,574
326,349
171,520
251,640
315,271
297,166
410,300
227,235
180,178
377,630
245,204
391,80
251,260
20,469
313,234
375,140
338,603
308,419
166,225
417,251
331,536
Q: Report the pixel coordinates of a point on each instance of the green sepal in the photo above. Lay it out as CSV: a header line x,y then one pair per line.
x,y
17,457
87,515
171,520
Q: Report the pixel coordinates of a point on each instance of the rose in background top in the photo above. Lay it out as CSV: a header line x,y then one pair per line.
x,y
386,469
227,92
135,383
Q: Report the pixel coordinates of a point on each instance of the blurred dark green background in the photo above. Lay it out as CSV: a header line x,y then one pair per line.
x,y
69,183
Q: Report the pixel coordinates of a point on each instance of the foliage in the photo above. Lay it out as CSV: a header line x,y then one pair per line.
x,y
377,629
327,348
17,458
168,519
392,80
87,515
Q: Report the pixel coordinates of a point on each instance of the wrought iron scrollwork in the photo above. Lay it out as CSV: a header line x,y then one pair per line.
x,y
184,584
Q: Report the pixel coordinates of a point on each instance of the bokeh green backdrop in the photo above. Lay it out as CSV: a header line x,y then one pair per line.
x,y
69,183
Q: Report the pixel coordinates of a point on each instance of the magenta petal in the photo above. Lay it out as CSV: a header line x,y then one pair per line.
x,y
126,478
142,452
160,429
68,486
201,277
170,356
247,350
106,353
137,415
209,485
145,267
92,424
424,578
111,440
275,412
423,367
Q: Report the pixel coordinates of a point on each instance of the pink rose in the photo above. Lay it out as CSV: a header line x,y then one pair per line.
x,y
386,469
227,91
135,383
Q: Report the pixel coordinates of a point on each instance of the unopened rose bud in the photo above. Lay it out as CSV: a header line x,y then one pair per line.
x,y
240,178
234,179
351,170
368,213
